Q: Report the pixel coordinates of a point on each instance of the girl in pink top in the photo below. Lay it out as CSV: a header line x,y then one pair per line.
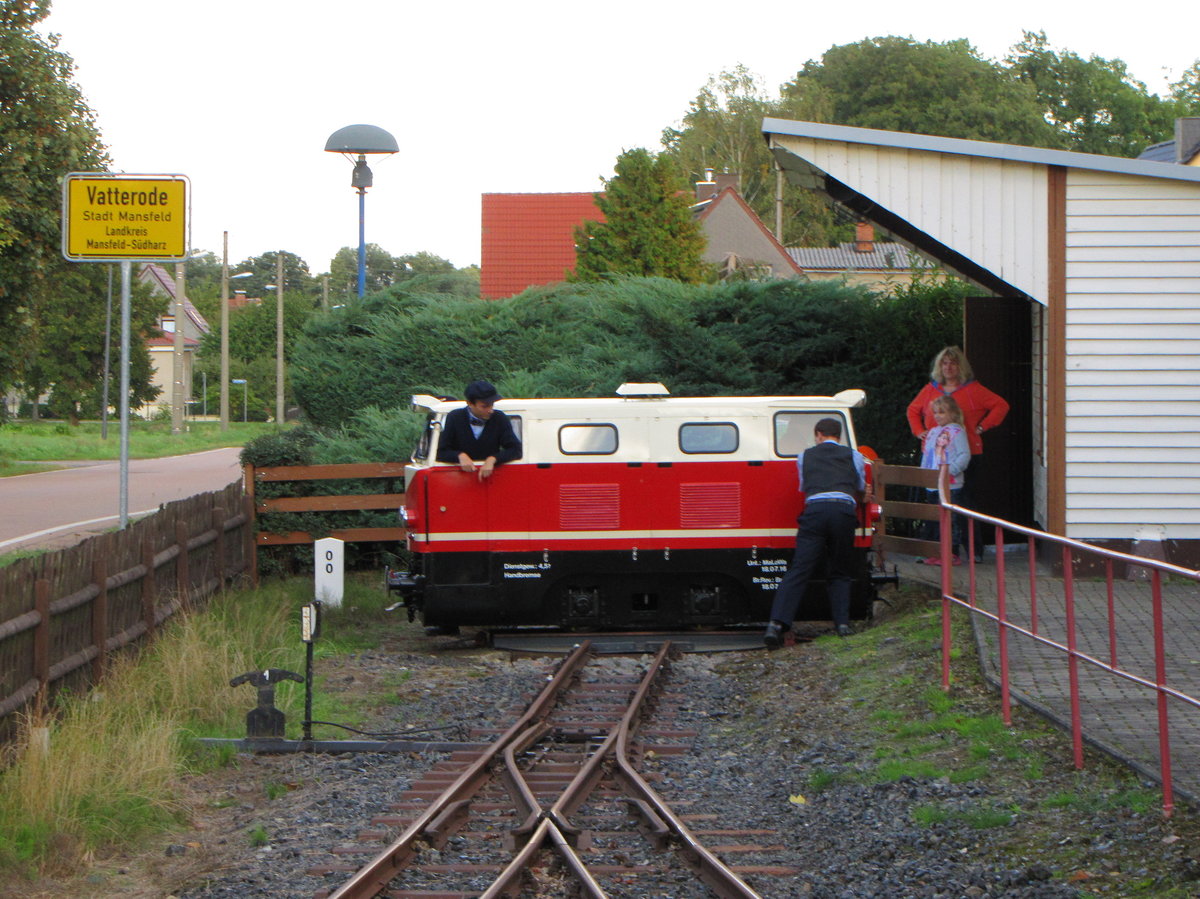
x,y
982,410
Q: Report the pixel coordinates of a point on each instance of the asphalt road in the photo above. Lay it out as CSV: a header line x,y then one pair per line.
x,y
53,509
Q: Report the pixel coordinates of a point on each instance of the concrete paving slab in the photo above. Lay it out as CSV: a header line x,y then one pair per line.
x,y
1117,714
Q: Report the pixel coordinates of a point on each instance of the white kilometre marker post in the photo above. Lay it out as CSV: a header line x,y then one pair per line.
x,y
329,575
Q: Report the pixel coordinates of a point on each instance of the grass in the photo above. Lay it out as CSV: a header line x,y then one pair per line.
x,y
47,441
70,790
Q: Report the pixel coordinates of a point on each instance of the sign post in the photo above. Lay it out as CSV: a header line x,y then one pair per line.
x,y
125,219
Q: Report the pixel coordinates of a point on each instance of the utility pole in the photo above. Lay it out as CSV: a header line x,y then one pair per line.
x,y
279,340
177,363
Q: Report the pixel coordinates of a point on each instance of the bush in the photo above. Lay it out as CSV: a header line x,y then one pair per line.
x,y
740,338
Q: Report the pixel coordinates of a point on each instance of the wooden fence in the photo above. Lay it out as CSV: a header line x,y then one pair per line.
x,y
62,614
389,471
887,480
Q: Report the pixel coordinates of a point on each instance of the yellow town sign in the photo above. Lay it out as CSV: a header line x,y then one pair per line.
x,y
113,218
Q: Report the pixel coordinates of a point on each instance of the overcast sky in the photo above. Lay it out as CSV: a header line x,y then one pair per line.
x,y
524,96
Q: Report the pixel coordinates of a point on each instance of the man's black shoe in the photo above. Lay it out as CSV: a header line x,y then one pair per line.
x,y
844,630
773,638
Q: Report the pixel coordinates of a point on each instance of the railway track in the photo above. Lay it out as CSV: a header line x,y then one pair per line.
x,y
556,806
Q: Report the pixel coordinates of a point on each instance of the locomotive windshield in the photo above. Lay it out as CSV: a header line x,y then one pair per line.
x,y
794,430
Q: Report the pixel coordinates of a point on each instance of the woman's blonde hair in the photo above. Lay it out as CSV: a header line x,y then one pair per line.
x,y
953,352
950,405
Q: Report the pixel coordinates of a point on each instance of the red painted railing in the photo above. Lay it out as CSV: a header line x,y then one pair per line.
x,y
1064,556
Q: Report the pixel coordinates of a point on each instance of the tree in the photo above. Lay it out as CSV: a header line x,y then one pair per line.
x,y
1186,91
382,270
722,131
297,282
898,84
46,131
252,338
1094,104
64,349
649,229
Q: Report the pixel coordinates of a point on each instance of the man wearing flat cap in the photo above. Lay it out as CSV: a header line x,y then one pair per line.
x,y
478,433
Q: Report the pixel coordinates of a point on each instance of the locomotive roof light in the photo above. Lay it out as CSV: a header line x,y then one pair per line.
x,y
853,398
642,390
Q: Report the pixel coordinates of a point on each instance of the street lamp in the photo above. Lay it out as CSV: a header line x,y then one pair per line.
x,y
225,279
361,139
242,381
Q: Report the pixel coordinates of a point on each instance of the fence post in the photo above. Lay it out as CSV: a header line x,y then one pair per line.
x,y
100,618
149,589
183,581
218,523
251,522
41,638
1160,680
1072,655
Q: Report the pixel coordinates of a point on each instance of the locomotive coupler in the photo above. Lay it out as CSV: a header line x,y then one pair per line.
x,y
411,588
265,721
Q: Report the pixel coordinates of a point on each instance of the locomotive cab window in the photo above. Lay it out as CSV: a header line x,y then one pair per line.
x,y
794,430
434,425
587,440
708,437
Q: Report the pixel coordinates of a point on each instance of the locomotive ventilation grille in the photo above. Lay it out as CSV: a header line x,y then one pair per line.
x,y
589,507
710,505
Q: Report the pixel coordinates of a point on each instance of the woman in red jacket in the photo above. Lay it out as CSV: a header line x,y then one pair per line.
x,y
982,410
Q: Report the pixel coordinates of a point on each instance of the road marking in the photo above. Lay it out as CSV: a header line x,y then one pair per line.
x,y
67,527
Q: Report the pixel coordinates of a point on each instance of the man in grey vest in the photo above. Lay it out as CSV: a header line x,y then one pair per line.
x,y
832,479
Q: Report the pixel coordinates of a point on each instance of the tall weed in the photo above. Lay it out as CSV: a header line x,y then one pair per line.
x,y
102,768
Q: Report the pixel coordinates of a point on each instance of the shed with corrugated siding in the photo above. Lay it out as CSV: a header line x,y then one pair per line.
x,y
1102,257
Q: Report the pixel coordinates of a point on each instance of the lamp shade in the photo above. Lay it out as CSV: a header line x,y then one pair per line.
x,y
361,139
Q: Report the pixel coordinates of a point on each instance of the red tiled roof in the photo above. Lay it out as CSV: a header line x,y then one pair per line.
x,y
528,239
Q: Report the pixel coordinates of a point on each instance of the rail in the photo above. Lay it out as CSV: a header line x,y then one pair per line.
x,y
545,799
1100,611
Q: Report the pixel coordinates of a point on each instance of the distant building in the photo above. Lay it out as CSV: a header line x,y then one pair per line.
x,y
739,244
529,239
1183,150
865,262
162,345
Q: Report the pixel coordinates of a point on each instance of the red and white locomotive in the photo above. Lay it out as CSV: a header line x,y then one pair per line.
x,y
641,511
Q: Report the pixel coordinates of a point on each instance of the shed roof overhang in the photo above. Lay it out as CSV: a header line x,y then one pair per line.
x,y
978,208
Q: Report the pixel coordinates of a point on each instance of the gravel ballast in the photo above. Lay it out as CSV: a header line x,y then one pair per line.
x,y
876,788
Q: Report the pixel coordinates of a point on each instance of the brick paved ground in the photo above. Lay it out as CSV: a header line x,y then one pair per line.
x,y
1117,714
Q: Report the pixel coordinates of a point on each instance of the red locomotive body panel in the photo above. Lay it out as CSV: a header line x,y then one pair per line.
x,y
637,512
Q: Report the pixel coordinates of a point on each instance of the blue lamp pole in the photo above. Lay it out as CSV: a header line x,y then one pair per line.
x,y
362,233
360,140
